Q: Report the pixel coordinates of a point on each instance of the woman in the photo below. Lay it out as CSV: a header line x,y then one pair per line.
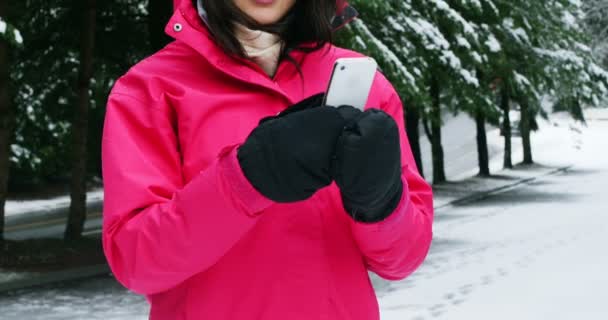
x,y
218,208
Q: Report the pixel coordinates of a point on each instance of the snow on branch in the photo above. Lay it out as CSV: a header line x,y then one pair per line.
x,y
10,33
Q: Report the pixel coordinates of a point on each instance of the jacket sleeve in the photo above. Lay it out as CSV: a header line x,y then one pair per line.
x,y
396,247
157,229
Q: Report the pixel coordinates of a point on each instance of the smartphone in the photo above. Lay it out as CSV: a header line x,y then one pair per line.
x,y
351,82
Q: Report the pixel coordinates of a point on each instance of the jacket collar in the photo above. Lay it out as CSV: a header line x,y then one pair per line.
x,y
188,26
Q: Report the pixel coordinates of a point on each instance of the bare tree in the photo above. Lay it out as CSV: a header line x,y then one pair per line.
x,y
5,122
505,106
78,194
483,157
433,132
412,126
526,129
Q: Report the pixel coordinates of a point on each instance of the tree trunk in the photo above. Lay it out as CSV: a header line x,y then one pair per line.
x,y
412,126
525,130
505,105
482,145
5,122
437,148
78,194
159,14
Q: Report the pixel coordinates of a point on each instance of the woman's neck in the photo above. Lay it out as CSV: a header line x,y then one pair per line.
x,y
261,47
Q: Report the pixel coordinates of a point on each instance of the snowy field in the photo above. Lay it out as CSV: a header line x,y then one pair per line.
x,y
534,252
93,299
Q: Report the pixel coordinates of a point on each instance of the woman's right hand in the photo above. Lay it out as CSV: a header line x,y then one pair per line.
x,y
287,157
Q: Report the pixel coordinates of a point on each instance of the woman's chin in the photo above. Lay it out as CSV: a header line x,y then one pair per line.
x,y
265,12
265,18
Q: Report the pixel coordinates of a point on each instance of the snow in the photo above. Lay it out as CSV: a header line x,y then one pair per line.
x,y
491,4
598,71
518,33
569,19
360,42
449,58
143,9
15,207
463,42
469,78
16,34
521,80
432,38
94,299
563,55
477,57
18,37
395,25
468,28
493,44
576,3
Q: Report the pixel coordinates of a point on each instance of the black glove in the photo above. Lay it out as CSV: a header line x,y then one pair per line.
x,y
367,167
287,157
308,103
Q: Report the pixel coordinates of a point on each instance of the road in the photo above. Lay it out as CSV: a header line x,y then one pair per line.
x,y
533,252
51,228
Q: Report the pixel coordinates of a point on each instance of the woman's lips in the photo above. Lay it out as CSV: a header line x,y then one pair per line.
x,y
264,2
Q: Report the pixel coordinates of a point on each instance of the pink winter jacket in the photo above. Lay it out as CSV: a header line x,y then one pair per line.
x,y
183,226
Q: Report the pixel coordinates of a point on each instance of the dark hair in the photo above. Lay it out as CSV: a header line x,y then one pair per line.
x,y
309,21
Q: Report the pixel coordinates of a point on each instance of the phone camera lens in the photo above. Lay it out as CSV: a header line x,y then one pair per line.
x,y
343,67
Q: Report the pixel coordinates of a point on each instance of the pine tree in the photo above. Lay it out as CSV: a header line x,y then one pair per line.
x,y
576,78
46,71
480,57
483,51
512,59
542,52
447,41
596,24
570,72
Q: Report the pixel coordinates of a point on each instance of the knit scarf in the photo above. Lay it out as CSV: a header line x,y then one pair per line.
x,y
261,47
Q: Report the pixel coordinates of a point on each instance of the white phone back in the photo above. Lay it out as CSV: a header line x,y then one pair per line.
x,y
351,82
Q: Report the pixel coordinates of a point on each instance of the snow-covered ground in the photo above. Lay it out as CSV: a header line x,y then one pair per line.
x,y
533,252
17,207
93,299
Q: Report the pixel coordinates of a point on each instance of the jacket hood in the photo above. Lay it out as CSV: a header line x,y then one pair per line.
x,y
345,13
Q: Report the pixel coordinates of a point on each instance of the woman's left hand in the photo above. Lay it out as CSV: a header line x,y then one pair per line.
x,y
367,166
